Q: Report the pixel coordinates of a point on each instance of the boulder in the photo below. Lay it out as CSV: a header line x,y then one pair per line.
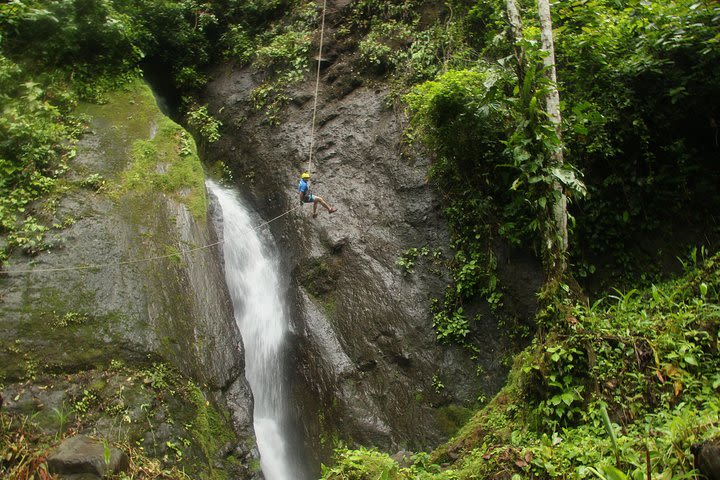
x,y
707,459
84,455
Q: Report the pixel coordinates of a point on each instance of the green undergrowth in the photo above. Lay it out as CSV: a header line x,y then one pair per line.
x,y
620,389
37,133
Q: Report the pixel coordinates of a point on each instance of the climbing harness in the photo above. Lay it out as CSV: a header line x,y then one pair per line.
x,y
136,261
317,87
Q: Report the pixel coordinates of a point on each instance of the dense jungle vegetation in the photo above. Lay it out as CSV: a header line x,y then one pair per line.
x,y
621,376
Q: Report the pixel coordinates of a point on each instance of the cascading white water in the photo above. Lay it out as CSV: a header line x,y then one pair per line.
x,y
251,269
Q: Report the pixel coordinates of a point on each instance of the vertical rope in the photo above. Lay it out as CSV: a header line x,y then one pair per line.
x,y
317,88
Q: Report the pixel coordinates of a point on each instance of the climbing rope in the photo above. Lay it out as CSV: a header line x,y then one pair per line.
x,y
139,260
317,87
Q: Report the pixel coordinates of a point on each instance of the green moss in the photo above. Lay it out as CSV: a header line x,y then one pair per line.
x,y
452,417
318,276
148,150
168,163
49,320
211,430
173,254
255,466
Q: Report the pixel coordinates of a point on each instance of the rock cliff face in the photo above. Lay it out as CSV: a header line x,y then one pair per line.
x,y
367,365
136,191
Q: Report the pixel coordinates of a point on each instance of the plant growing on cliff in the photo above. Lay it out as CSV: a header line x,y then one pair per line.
x,y
284,54
61,415
201,121
210,427
407,259
158,376
36,144
386,45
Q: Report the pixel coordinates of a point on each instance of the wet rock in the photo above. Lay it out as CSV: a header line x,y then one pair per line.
x,y
84,455
707,459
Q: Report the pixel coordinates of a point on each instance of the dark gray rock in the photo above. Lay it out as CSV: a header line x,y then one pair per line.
x,y
84,455
707,459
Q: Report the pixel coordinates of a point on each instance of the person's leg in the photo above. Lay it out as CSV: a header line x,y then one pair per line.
x,y
324,204
317,199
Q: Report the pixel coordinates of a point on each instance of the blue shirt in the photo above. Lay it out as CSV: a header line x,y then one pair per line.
x,y
303,186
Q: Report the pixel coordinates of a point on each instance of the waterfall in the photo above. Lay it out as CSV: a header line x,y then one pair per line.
x,y
251,268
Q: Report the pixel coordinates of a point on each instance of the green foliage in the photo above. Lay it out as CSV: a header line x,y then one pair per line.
x,y
618,389
33,150
85,402
558,380
52,53
451,325
462,116
106,452
159,376
173,35
239,45
494,164
284,53
94,181
638,79
408,42
362,464
632,125
28,235
386,45
61,415
68,32
207,126
409,257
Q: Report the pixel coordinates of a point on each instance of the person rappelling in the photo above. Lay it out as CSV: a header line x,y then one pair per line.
x,y
307,197
304,185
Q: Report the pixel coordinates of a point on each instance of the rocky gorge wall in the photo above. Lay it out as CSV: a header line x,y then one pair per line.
x,y
366,365
88,346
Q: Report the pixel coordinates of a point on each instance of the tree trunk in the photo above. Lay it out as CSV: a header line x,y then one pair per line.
x,y
515,21
556,237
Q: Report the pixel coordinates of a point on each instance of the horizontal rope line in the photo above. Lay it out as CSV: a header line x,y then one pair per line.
x,y
140,260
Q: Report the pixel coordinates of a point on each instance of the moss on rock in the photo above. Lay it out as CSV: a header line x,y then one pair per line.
x,y
162,155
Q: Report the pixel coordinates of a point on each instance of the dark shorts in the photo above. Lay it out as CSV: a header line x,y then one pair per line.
x,y
310,198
